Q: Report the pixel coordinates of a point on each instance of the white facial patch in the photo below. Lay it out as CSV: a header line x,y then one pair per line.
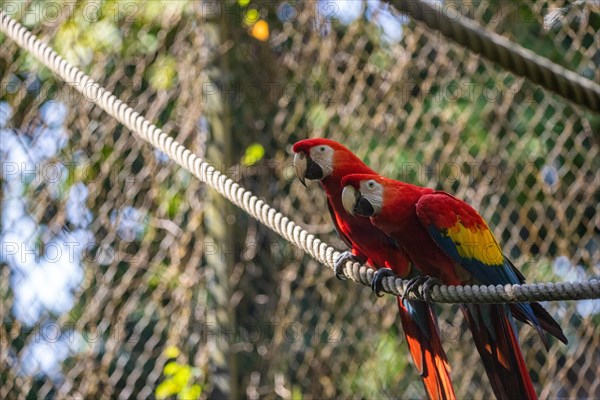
x,y
323,155
373,192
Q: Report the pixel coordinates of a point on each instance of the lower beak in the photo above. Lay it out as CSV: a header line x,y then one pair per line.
x,y
349,197
363,207
300,166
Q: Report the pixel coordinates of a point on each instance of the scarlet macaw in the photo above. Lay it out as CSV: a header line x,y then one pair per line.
x,y
328,162
441,233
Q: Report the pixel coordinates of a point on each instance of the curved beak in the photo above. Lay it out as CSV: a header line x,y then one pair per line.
x,y
349,198
300,165
355,204
306,168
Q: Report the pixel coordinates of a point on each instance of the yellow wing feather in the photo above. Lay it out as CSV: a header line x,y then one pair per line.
x,y
476,242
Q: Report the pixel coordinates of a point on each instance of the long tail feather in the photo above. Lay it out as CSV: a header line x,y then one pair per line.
x,y
419,323
498,345
546,321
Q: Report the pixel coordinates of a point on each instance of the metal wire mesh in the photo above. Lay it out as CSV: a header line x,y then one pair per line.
x,y
112,259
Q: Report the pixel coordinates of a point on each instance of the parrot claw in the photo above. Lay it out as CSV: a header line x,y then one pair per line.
x,y
378,277
338,267
427,281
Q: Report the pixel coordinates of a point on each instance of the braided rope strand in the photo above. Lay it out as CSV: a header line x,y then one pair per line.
x,y
509,55
268,215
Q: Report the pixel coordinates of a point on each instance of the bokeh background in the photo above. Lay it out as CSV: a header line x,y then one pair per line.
x,y
121,276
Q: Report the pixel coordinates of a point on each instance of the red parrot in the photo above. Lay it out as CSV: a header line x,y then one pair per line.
x,y
328,162
447,238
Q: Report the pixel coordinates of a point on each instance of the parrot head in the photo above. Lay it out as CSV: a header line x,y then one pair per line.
x,y
363,194
317,159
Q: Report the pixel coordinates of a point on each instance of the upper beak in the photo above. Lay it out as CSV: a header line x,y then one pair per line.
x,y
300,165
349,198
355,204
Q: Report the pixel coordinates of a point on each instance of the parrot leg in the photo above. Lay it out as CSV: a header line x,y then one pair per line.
x,y
427,281
338,267
378,277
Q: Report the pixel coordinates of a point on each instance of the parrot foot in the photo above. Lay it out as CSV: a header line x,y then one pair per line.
x,y
427,281
378,277
338,267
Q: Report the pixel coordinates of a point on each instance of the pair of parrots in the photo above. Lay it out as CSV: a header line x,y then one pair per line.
x,y
416,232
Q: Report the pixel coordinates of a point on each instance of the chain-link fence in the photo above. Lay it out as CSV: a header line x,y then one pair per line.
x,y
121,276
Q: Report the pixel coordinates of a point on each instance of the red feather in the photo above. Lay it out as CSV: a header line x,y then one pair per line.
x,y
409,219
379,251
427,353
500,352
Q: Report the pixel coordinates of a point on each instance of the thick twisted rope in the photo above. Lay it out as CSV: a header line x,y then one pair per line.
x,y
266,214
507,54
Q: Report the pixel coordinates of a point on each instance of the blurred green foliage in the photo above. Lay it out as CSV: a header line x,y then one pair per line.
x,y
136,36
178,379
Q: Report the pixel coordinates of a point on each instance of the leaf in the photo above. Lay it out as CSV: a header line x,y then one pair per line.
x,y
296,393
172,368
251,16
254,153
190,392
183,375
162,73
171,352
260,31
166,389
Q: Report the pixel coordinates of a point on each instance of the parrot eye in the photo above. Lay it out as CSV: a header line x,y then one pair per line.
x,y
322,149
371,184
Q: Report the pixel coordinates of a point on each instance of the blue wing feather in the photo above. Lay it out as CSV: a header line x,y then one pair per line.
x,y
487,274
